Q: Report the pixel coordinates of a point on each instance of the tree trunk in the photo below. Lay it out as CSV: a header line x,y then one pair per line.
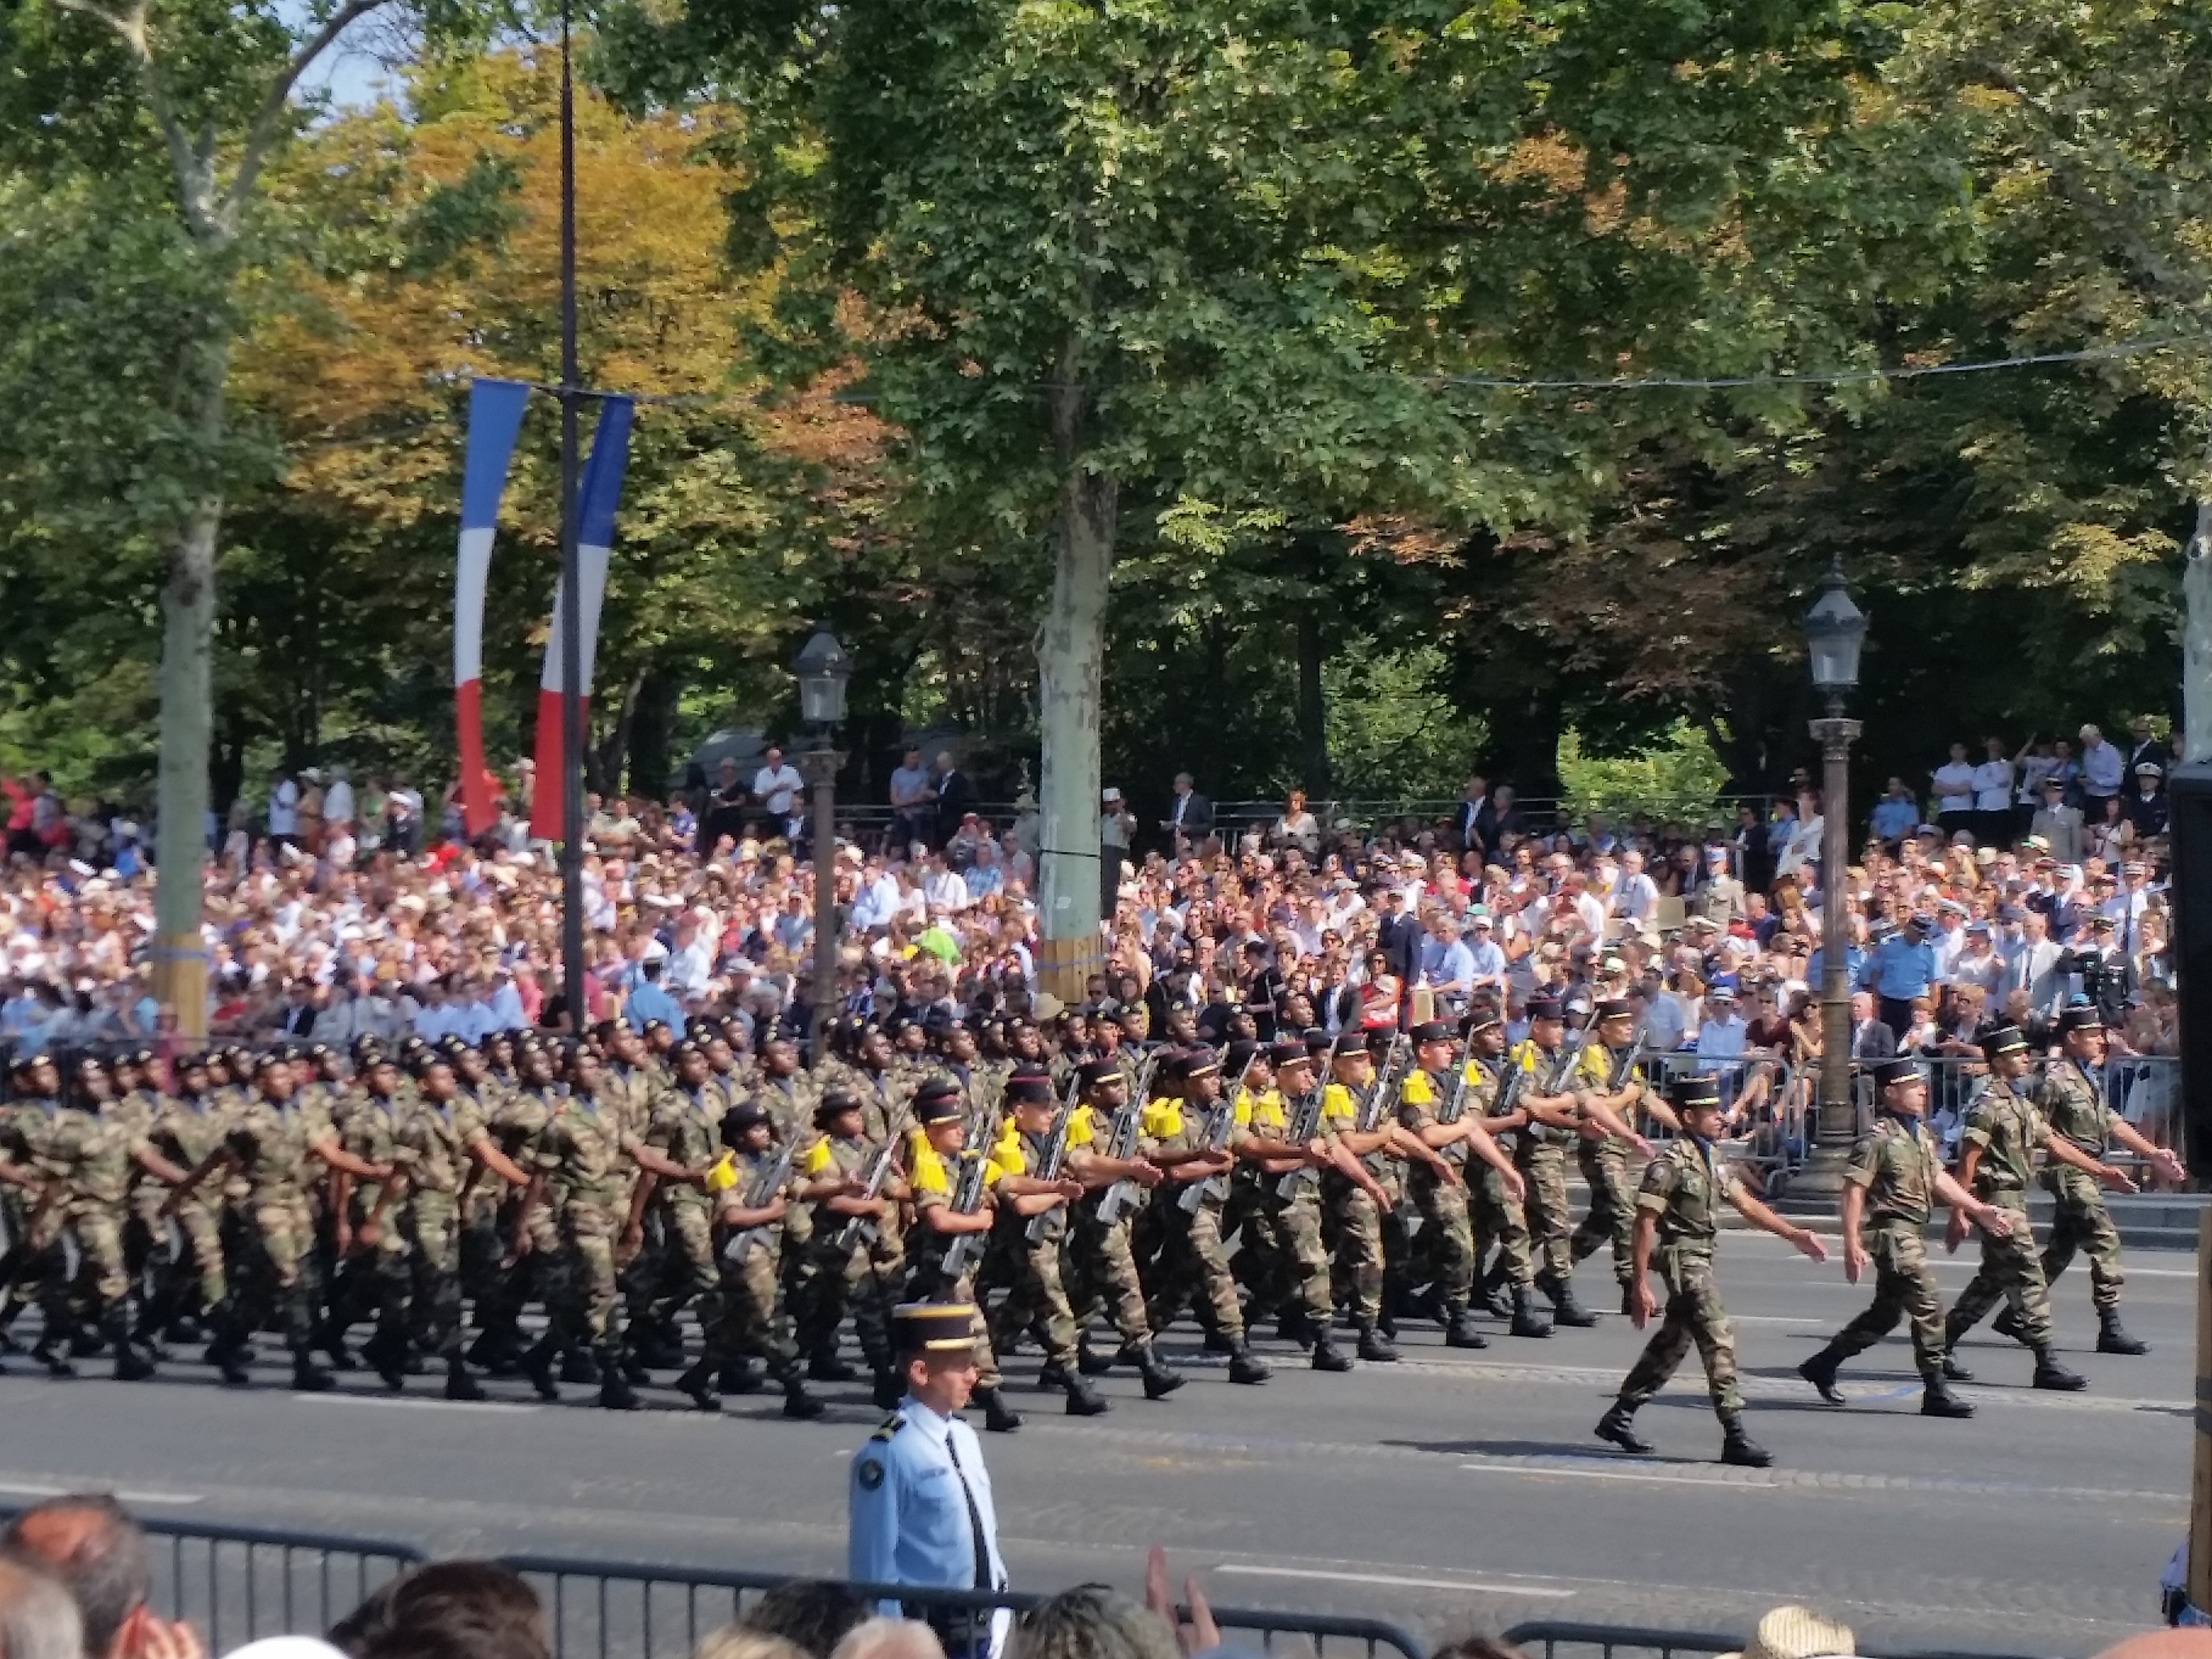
x,y
1071,656
2197,639
603,765
187,725
650,773
1313,714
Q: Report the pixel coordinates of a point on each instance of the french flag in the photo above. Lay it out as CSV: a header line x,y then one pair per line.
x,y
595,534
495,419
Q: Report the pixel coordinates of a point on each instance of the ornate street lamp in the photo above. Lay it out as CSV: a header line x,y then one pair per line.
x,y
1835,634
823,671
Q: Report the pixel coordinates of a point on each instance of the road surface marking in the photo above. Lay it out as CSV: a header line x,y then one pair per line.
x,y
413,1405
1229,1568
33,1489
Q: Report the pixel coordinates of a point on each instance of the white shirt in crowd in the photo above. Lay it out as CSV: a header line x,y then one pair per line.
x,y
776,788
1993,786
284,809
1954,787
337,802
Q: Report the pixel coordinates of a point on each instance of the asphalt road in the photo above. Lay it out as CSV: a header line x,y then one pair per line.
x,y
1453,1491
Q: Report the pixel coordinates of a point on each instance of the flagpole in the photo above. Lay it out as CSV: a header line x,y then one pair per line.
x,y
571,781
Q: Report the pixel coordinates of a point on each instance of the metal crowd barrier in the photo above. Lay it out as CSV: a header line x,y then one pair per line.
x,y
604,1610
1559,1639
237,1584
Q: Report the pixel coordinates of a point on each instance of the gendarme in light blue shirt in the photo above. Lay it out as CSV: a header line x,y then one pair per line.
x,y
1901,970
908,1516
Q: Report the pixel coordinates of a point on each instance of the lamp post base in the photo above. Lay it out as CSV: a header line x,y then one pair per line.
x,y
1822,1176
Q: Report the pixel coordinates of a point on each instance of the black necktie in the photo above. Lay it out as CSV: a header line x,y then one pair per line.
x,y
974,1519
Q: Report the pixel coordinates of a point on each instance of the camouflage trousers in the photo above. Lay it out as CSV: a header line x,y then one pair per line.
x,y
1193,1255
1103,1266
183,1253
588,1310
932,1284
1359,1231
1693,1314
1038,1302
1301,1258
1448,1238
685,1271
2011,1271
95,1230
279,1235
1612,1218
1903,1288
1499,1220
844,1279
748,1321
2081,1222
432,1227
1544,1168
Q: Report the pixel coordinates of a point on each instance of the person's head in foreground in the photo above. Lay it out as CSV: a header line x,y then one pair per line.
x,y
936,1344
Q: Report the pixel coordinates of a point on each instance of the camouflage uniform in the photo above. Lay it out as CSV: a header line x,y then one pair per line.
x,y
1604,1162
584,1148
89,1157
521,1117
270,1141
1292,1225
1038,1301
1100,1264
1684,1187
1540,1154
685,1128
185,1129
1357,1218
2075,1107
1447,1231
1496,1213
845,1275
934,1186
370,1281
430,1144
1896,1164
750,1321
2005,1124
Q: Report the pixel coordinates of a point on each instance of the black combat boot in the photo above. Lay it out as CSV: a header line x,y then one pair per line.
x,y
308,1377
1820,1371
1938,1401
1616,1425
828,1365
130,1364
1052,1375
53,1353
1740,1449
1161,1379
1460,1330
1295,1326
740,1376
578,1366
889,1389
386,1354
699,1385
2006,1323
1496,1299
2112,1336
1953,1371
662,1349
537,1366
2050,1374
1565,1310
616,1392
1245,1366
1083,1399
1089,1363
1328,1357
1527,1321
797,1404
999,1417
459,1385
1374,1345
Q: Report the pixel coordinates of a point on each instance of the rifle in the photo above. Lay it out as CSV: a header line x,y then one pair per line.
x,y
1056,1152
1378,1096
1220,1117
966,1199
759,1194
862,1229
1121,1145
1455,1108
1303,1128
1569,1057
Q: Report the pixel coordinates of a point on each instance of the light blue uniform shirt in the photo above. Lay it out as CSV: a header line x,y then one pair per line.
x,y
1900,969
908,1513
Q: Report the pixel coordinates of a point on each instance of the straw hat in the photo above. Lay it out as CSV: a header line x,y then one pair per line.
x,y
1790,1631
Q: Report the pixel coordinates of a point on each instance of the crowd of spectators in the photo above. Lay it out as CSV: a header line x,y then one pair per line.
x,y
330,913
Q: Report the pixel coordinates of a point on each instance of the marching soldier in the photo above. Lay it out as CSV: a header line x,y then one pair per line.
x,y
848,1176
1894,1177
1032,1227
683,1171
751,1216
1191,1248
1103,1221
186,1127
2073,1102
1284,1178
1611,1091
1430,1090
1494,1204
1676,1225
1554,1120
954,1198
1363,1186
1996,1163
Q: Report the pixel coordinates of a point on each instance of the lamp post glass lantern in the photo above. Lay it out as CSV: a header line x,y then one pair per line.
x,y
1835,634
823,671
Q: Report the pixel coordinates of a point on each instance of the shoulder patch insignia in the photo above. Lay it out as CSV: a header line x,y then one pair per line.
x,y
871,1472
